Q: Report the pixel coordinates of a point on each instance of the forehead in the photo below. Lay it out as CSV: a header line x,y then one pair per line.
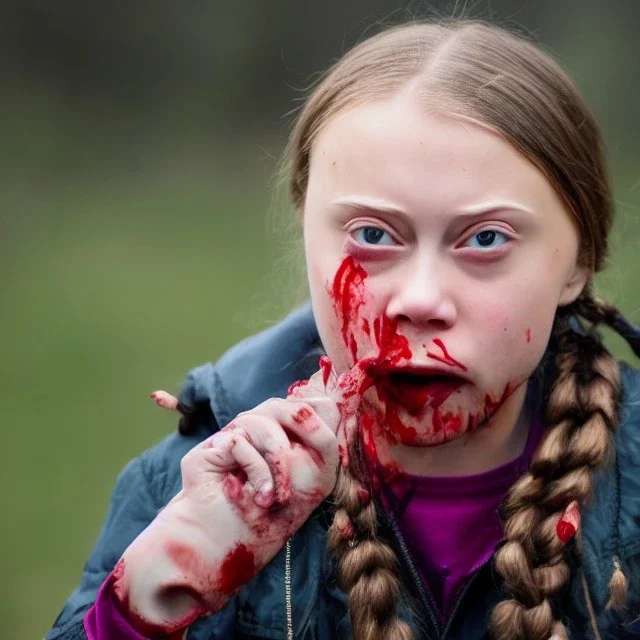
x,y
397,149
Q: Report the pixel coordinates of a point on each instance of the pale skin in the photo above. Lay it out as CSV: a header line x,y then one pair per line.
x,y
403,194
430,183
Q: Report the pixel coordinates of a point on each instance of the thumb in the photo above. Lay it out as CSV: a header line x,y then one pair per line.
x,y
335,398
314,392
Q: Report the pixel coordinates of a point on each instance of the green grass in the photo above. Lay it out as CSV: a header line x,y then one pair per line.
x,y
107,295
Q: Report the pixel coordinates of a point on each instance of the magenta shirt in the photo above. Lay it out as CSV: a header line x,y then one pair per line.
x,y
105,621
452,526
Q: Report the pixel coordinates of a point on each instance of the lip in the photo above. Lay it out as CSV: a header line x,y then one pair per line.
x,y
415,388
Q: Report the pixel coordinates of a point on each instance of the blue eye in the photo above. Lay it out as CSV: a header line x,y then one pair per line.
x,y
373,235
487,239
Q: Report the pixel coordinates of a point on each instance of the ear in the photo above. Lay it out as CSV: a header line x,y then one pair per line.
x,y
573,286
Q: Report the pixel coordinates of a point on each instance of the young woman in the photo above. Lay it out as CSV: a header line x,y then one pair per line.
x,y
464,462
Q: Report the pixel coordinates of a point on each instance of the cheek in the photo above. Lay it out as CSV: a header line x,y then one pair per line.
x,y
512,332
335,312
350,324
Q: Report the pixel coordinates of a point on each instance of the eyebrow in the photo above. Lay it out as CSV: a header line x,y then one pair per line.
x,y
371,204
382,206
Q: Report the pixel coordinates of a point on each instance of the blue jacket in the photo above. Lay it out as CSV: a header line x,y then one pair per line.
x,y
263,366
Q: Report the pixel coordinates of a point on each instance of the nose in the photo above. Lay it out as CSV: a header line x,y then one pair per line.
x,y
422,298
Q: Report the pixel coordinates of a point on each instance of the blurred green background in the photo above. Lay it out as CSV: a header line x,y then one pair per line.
x,y
139,232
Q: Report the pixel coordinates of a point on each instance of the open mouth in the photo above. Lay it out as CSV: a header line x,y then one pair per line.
x,y
414,390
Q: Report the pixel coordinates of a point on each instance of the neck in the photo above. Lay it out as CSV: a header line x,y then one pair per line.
x,y
491,446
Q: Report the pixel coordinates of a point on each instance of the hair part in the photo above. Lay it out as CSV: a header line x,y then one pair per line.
x,y
483,73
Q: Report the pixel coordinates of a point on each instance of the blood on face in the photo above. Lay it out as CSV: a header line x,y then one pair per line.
x,y
407,414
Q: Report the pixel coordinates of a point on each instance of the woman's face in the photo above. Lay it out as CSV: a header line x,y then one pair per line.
x,y
439,254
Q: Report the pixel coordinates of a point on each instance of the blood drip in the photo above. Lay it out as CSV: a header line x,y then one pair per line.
x,y
491,405
445,357
325,367
348,296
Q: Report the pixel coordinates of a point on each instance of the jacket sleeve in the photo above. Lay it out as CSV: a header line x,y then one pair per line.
x,y
133,506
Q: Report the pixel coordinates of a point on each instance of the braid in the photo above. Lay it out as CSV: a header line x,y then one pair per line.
x,y
596,310
367,566
582,411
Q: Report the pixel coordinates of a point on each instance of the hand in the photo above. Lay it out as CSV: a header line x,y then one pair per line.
x,y
245,491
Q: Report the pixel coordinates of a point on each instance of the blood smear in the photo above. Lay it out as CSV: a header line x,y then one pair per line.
x,y
237,569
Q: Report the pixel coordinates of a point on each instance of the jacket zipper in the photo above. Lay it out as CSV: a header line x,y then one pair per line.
x,y
426,598
459,598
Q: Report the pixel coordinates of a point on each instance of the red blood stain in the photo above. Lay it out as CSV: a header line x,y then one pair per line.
x,y
446,423
302,415
325,366
414,398
445,357
185,557
386,472
367,424
118,570
569,522
348,296
233,485
282,478
237,569
348,293
393,346
363,495
565,530
528,335
294,386
491,405
344,526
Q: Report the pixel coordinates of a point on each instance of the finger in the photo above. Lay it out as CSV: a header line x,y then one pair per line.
x,y
305,428
218,459
260,427
269,438
242,454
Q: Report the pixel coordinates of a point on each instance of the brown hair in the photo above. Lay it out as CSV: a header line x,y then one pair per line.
x,y
476,71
